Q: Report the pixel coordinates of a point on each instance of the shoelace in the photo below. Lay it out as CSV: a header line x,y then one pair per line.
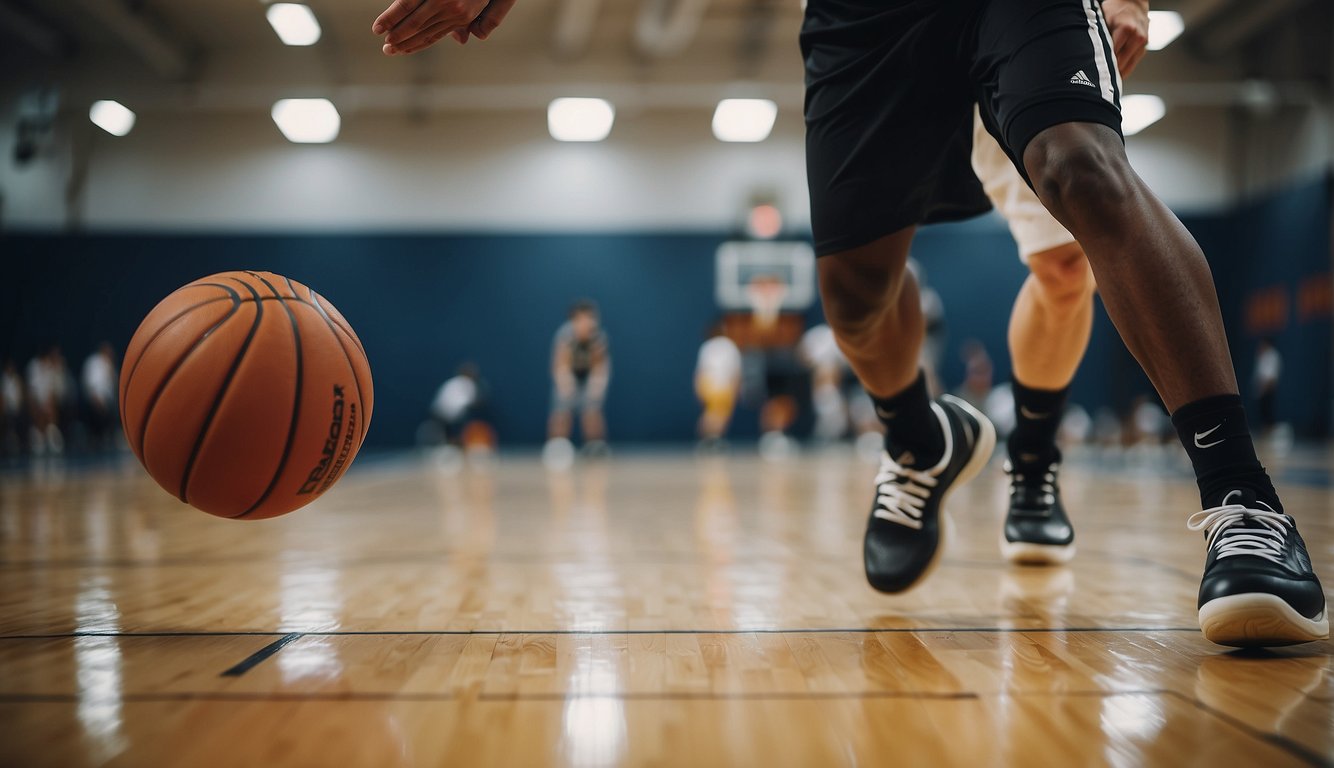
x,y
901,493
1219,524
1047,486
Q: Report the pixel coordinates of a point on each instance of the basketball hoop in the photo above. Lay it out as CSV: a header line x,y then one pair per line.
x,y
765,294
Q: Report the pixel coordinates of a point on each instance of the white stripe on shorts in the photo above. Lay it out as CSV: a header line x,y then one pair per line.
x,y
1099,53
1107,34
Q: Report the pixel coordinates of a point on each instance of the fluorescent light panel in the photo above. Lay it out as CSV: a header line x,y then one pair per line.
x,y
746,120
580,119
1140,111
112,117
1164,27
307,121
294,23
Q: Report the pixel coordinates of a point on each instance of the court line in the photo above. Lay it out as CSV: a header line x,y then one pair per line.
x,y
259,656
593,632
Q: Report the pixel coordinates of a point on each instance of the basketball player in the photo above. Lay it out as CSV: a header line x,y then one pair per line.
x,y
890,92
717,384
581,370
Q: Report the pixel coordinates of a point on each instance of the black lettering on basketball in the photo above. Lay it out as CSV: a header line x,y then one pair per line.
x,y
321,468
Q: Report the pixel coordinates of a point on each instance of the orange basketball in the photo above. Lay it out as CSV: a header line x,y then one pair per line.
x,y
245,394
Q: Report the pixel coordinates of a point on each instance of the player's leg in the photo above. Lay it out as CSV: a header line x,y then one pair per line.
x,y
1048,335
1049,332
871,301
1258,586
887,134
1052,318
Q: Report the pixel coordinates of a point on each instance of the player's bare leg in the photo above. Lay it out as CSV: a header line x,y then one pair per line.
x,y
1052,318
871,302
1049,333
1258,586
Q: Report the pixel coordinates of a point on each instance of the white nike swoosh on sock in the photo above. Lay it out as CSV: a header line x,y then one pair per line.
x,y
1206,433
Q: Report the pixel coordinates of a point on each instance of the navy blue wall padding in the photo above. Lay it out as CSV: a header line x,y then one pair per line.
x,y
424,303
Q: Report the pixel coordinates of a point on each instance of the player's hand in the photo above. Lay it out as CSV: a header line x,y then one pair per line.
x,y
1128,21
409,26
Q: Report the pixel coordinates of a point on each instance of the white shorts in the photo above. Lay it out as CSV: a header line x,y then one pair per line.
x,y
1034,229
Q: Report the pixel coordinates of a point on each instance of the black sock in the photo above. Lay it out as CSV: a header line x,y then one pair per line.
x,y
1216,437
1037,414
911,426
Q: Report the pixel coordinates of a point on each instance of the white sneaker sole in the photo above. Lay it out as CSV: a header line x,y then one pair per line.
x,y
983,446
1028,553
1257,619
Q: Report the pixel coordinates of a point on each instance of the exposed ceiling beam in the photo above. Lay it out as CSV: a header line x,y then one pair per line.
x,y
667,27
154,45
37,34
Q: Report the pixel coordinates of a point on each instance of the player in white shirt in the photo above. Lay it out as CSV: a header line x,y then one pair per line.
x,y
99,393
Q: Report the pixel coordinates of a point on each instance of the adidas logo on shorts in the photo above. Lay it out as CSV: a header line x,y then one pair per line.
x,y
1079,78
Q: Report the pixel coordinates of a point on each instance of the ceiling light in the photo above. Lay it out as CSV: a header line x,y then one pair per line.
x,y
112,117
744,119
307,121
580,119
1139,112
294,23
1164,27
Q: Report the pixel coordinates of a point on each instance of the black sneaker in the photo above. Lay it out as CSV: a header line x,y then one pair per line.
x,y
903,534
1037,531
1258,587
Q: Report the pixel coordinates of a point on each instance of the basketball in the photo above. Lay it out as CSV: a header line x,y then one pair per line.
x,y
245,394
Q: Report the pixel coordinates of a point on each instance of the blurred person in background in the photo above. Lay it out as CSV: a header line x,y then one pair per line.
x,y
99,395
45,396
819,351
13,410
581,371
977,373
717,384
460,402
933,342
1268,368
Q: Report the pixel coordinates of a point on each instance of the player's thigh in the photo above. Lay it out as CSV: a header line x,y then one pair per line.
x,y
1044,63
1033,227
888,119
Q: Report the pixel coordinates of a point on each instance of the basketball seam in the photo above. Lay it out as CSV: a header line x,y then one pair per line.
x,y
162,385
318,299
222,392
129,376
296,403
356,381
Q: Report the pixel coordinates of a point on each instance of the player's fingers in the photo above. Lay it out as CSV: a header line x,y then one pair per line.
x,y
420,41
460,35
490,18
396,12
428,13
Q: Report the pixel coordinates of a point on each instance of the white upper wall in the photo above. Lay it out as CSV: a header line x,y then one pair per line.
x,y
476,171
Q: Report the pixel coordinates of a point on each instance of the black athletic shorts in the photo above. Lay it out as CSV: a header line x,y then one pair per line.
x,y
890,88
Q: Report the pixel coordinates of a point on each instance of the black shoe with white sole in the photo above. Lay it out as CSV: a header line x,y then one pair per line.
x,y
1037,530
1258,587
903,534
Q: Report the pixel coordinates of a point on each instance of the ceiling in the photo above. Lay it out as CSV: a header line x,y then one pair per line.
x,y
221,54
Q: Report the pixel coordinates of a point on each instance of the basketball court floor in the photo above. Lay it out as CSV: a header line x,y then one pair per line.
x,y
656,609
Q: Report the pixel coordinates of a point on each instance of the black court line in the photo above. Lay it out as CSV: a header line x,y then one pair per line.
x,y
599,632
259,656
1278,740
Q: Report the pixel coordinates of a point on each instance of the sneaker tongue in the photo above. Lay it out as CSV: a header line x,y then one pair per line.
x,y
905,459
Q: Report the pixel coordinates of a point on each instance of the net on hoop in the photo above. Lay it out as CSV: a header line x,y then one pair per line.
x,y
765,294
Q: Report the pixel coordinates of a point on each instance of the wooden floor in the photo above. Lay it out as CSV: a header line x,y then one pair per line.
x,y
654,610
